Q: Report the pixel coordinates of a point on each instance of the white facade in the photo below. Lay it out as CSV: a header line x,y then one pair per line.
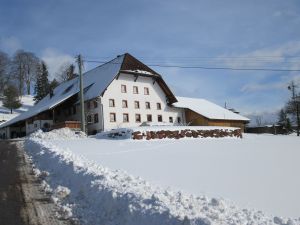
x,y
93,114
98,110
156,95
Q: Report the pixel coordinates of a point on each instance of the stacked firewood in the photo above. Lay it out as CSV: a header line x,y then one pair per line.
x,y
177,134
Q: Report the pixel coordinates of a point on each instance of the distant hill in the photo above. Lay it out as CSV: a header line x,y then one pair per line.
x,y
27,102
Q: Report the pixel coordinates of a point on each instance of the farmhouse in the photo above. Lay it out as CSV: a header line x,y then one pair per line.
x,y
123,92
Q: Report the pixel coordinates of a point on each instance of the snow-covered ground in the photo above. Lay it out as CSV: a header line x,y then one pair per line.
x,y
27,102
257,172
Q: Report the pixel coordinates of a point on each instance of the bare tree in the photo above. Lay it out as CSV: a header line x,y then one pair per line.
x,y
24,69
258,120
66,72
4,66
18,71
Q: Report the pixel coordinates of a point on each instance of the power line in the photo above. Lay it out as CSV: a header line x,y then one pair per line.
x,y
210,68
249,60
211,57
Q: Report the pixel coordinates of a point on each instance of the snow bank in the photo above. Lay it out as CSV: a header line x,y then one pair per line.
x,y
98,195
64,133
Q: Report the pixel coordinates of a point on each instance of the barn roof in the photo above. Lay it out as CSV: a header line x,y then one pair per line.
x,y
95,83
208,109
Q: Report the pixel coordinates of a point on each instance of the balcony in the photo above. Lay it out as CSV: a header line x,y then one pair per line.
x,y
74,125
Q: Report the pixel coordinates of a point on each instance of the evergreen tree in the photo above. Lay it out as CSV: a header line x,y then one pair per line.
x,y
293,105
66,72
54,83
282,117
284,120
11,98
42,86
288,125
71,72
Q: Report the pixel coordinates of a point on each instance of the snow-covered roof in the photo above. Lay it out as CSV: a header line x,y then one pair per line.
x,y
207,109
139,71
95,81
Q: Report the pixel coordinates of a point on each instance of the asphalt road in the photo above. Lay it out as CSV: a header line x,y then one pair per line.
x,y
22,201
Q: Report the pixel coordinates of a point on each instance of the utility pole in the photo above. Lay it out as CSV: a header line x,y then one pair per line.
x,y
81,98
295,99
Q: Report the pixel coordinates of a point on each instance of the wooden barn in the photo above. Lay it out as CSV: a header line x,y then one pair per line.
x,y
200,112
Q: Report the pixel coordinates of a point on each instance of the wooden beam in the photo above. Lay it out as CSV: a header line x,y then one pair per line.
x,y
136,77
154,80
103,92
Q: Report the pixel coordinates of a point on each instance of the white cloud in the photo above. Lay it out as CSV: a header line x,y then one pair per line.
x,y
55,59
10,44
272,57
285,13
280,85
263,87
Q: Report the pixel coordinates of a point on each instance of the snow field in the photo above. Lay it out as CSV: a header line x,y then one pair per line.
x,y
27,102
99,195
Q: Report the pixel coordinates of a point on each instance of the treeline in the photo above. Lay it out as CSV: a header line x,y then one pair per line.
x,y
23,71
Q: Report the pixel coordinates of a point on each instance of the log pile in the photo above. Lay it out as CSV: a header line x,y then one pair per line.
x,y
177,134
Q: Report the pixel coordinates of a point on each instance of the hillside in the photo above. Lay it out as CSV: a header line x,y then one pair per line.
x,y
27,102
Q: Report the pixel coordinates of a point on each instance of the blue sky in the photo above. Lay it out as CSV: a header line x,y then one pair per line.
x,y
232,33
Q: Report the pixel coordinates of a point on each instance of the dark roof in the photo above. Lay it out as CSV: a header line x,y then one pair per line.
x,y
133,66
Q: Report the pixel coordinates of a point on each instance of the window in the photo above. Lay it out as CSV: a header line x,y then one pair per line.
x,y
149,118
159,118
137,118
158,105
124,104
135,90
95,104
88,104
146,91
96,118
147,105
123,88
171,119
112,117
125,117
87,88
178,119
74,109
136,104
68,89
89,118
111,103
